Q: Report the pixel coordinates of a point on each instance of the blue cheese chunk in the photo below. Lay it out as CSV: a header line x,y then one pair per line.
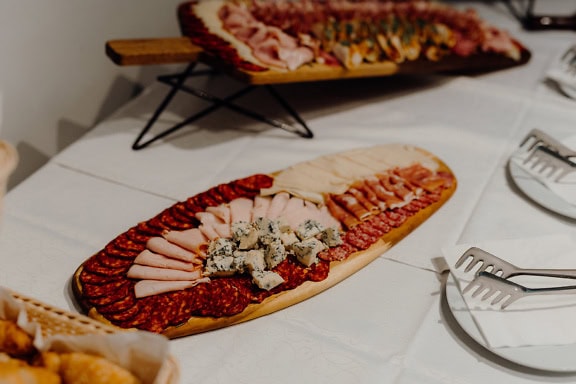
x,y
308,229
266,279
331,237
268,230
245,235
289,239
220,266
275,254
254,260
221,247
306,251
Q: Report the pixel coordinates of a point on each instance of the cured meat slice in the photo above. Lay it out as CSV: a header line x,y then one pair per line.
x,y
422,177
209,232
387,199
145,288
191,239
261,205
221,211
277,205
341,214
241,210
152,259
363,200
294,212
395,184
164,247
352,205
143,272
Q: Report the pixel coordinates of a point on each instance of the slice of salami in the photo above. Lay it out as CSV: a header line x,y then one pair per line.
x,y
119,306
121,291
94,291
114,250
319,271
93,278
227,192
94,266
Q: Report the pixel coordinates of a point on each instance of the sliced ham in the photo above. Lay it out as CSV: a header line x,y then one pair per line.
x,y
221,211
208,218
223,230
241,210
208,231
144,272
164,247
261,205
191,239
277,205
294,212
151,259
145,288
326,219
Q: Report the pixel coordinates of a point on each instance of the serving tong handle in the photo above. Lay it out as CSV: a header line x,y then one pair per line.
x,y
489,263
487,286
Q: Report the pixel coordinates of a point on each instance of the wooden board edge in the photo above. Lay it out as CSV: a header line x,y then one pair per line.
x,y
321,72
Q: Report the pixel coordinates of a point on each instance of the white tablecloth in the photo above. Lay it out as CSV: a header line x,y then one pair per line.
x,y
383,324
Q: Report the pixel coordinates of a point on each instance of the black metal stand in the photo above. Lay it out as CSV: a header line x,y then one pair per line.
x,y
176,81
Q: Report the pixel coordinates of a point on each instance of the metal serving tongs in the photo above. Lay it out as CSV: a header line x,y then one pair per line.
x,y
493,273
548,157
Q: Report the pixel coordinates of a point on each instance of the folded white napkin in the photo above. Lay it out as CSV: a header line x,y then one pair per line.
x,y
531,321
565,187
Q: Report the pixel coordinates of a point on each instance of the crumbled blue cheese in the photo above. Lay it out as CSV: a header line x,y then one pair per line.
x,y
266,279
288,239
331,237
254,260
221,247
268,230
220,266
258,247
308,229
275,254
306,251
244,234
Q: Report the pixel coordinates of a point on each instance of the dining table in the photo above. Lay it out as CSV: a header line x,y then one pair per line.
x,y
388,322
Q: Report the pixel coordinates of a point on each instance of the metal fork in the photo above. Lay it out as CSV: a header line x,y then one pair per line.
x,y
505,291
489,263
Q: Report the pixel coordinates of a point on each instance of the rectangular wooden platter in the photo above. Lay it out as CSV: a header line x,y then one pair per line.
x,y
181,50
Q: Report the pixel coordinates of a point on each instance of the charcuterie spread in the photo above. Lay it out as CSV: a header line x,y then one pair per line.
x,y
255,245
346,36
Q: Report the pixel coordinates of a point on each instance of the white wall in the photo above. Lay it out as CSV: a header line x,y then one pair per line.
x,y
56,81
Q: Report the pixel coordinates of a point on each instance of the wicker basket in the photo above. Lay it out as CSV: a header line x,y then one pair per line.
x,y
55,321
